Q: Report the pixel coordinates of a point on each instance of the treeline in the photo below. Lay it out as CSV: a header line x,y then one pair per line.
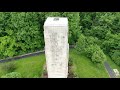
x,y
100,33
94,33
22,32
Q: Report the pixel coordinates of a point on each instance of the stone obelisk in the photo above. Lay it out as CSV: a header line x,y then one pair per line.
x,y
56,46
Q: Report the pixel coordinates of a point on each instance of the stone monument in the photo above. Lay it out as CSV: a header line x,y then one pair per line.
x,y
56,46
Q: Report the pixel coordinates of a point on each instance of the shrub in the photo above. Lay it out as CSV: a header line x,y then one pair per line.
x,y
98,57
12,75
91,49
9,67
95,53
7,46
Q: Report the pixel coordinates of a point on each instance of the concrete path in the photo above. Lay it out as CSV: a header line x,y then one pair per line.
x,y
109,70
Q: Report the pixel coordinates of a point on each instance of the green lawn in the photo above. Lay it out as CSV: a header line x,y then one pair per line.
x,y
84,68
29,67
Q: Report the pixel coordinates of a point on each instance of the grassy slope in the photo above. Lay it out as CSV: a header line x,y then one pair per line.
x,y
29,67
84,68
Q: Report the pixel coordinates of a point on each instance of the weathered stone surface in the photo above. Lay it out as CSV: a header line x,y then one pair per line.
x,y
56,46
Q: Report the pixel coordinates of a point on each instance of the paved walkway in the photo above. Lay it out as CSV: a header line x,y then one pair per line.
x,y
109,70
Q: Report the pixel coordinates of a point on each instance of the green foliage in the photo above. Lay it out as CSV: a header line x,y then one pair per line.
x,y
84,68
52,14
111,42
97,24
81,44
28,35
95,53
7,46
88,46
30,67
74,27
12,75
111,45
85,42
91,49
98,57
8,67
104,26
20,33
70,61
116,56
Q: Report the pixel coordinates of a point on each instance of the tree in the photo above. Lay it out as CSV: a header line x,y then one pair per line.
x,y
116,56
90,49
98,56
81,44
97,24
88,46
84,42
111,42
27,31
74,25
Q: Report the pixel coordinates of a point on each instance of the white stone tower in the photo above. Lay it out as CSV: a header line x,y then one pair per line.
x,y
56,46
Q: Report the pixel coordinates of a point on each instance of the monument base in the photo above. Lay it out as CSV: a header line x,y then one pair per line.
x,y
70,73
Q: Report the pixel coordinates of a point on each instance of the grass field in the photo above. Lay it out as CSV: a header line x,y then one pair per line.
x,y
84,68
32,67
29,67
